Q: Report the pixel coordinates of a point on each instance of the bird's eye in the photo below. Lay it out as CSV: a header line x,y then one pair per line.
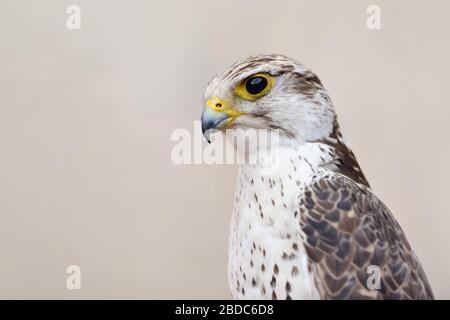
x,y
255,86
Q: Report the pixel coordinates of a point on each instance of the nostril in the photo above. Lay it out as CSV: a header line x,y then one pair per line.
x,y
218,105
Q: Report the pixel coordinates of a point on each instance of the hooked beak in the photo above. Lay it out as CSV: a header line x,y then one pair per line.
x,y
218,114
213,121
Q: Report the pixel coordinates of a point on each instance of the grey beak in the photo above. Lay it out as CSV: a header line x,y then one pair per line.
x,y
212,121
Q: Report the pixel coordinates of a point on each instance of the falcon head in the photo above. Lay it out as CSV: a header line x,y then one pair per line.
x,y
269,92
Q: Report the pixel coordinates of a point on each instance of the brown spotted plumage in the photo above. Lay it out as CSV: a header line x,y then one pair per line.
x,y
347,229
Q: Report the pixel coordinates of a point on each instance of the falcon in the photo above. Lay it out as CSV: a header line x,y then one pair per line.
x,y
313,228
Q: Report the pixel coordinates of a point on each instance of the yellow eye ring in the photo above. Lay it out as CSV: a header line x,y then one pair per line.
x,y
255,86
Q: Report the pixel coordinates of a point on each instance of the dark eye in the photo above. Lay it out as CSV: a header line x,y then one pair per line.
x,y
256,85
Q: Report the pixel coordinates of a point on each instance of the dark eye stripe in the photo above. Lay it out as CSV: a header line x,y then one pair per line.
x,y
256,85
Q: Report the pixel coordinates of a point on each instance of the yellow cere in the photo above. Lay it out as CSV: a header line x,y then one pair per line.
x,y
220,105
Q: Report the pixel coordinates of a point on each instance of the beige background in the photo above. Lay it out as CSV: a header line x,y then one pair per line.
x,y
86,118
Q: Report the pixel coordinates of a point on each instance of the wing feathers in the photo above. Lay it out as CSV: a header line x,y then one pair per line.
x,y
347,229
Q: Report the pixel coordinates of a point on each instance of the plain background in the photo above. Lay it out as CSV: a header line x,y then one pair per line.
x,y
86,117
